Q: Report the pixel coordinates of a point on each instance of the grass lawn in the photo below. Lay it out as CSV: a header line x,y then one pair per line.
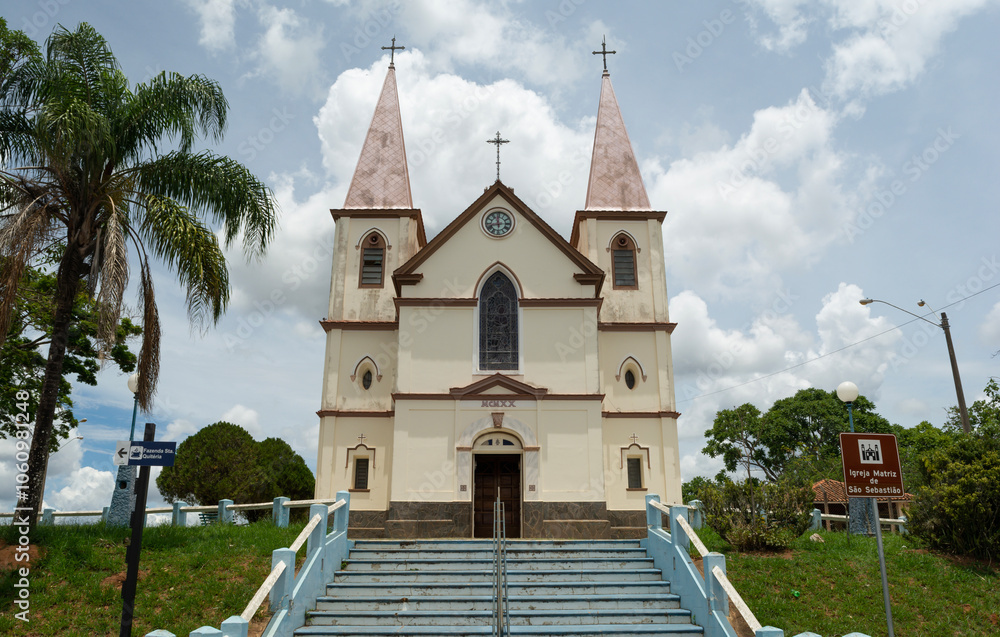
x,y
835,587
189,577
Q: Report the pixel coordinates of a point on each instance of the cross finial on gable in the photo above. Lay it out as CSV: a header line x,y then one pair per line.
x,y
604,53
634,438
496,140
362,438
392,50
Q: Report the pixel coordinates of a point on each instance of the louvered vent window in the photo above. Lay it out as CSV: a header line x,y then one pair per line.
x,y
361,473
634,473
372,261
623,262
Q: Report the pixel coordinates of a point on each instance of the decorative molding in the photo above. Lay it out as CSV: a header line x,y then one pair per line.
x,y
641,449
384,213
329,326
325,413
378,231
637,327
497,419
630,236
613,215
427,302
637,364
640,414
378,374
419,396
550,302
354,449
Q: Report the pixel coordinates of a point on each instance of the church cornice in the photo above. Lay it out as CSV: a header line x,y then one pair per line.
x,y
593,274
324,413
613,215
429,396
384,213
390,326
637,327
640,414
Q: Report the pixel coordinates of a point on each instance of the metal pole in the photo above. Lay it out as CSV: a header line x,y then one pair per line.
x,y
135,408
881,564
954,370
135,544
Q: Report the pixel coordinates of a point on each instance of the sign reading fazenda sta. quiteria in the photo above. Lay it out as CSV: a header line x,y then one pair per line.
x,y
871,465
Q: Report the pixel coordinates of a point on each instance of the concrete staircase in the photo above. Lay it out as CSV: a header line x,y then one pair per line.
x,y
443,587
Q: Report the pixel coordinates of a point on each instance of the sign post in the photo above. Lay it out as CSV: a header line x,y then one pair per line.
x,y
871,469
145,454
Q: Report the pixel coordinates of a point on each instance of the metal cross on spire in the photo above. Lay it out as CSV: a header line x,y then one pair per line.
x,y
392,50
496,140
604,53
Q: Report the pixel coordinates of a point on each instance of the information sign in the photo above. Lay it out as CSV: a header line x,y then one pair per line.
x,y
871,465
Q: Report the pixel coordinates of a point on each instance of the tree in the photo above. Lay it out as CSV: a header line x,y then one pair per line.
x,y
94,180
15,48
799,434
984,414
22,366
223,461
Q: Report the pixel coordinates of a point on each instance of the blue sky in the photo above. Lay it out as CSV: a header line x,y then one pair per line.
x,y
809,154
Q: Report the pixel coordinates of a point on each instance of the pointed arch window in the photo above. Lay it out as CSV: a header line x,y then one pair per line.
x,y
498,333
623,263
372,261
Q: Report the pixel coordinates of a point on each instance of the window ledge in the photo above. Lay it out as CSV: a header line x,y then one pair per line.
x,y
369,490
631,489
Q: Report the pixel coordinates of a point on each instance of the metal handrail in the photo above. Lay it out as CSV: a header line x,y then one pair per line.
x,y
501,608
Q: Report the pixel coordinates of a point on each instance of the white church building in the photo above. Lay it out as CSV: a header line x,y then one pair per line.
x,y
498,358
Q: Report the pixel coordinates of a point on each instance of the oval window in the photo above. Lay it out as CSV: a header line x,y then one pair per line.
x,y
366,380
629,379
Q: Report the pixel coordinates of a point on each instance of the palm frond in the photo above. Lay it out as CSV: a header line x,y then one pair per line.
x,y
220,187
149,353
173,105
112,263
187,246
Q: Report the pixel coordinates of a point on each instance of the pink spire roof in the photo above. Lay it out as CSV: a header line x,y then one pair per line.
x,y
381,179
615,182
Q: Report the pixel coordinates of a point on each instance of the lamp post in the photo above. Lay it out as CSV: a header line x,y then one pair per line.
x,y
858,509
123,498
962,410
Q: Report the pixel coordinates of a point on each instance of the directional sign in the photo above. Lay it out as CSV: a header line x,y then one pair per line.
x,y
145,453
871,465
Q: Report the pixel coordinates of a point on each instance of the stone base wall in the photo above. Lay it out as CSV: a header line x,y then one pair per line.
x,y
548,520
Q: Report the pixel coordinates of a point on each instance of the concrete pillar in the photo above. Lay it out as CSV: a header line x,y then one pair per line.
x,y
653,517
279,512
123,498
282,590
225,513
178,517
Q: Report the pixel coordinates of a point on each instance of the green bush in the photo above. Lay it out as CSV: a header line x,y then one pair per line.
x,y
959,508
756,516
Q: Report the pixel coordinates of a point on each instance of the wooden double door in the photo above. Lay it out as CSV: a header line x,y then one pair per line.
x,y
495,472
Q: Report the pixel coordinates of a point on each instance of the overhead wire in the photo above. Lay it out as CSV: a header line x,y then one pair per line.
x,y
836,351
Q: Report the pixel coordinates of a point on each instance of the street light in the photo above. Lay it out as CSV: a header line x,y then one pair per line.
x,y
69,441
123,498
951,354
859,510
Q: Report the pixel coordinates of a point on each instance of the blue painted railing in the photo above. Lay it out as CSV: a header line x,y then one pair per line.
x,y
291,594
706,596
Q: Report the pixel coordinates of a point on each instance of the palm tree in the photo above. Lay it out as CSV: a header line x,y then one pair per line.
x,y
84,170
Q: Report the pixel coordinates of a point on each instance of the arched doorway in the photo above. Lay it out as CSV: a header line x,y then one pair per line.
x,y
496,471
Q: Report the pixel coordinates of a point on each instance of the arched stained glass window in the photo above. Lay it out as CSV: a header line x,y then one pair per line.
x,y
498,323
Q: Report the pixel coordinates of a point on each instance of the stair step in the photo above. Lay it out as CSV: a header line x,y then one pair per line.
x,y
487,554
488,544
598,630
411,589
486,565
513,576
554,617
485,602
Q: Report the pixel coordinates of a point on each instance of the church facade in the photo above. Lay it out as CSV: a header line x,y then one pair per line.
x,y
498,359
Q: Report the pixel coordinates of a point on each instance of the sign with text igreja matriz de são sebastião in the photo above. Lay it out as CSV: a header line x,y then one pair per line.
x,y
871,465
